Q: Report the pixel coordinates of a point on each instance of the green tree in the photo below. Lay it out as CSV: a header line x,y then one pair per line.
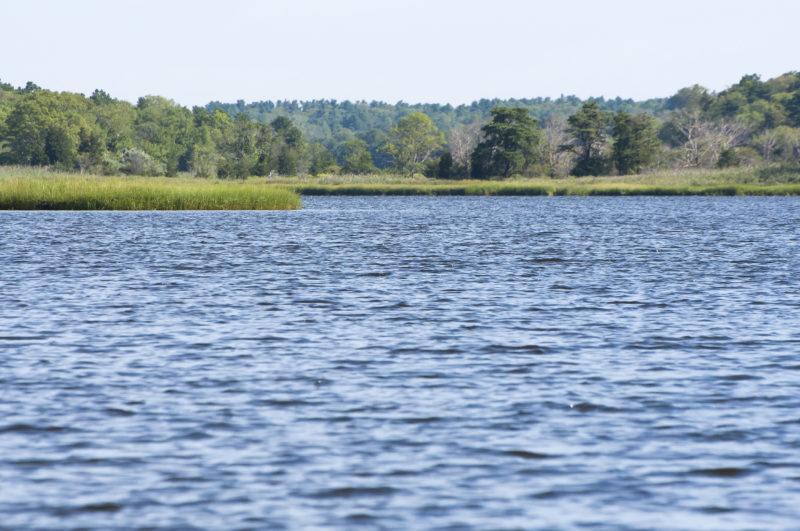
x,y
101,97
728,159
793,109
134,161
284,127
44,127
287,161
163,129
513,144
30,88
117,121
588,129
787,146
694,97
763,114
204,154
91,148
412,141
290,145
376,140
322,160
752,87
728,105
268,146
445,166
240,152
636,142
213,134
356,158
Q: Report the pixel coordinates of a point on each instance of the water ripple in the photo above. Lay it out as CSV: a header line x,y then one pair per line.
x,y
403,363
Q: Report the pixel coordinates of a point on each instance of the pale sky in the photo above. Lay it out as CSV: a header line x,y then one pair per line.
x,y
413,50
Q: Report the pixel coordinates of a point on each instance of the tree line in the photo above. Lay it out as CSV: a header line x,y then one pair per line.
x,y
154,137
753,122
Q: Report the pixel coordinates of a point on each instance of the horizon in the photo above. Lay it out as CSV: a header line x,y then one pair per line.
x,y
417,52
133,101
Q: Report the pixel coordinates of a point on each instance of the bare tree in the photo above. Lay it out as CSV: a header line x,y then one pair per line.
x,y
706,140
788,146
767,143
691,126
724,135
463,140
559,159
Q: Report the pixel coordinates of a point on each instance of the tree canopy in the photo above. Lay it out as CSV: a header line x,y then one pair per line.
x,y
512,145
588,128
636,142
753,122
412,141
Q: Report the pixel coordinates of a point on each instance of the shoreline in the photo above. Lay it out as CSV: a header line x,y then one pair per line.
x,y
81,192
773,181
512,189
39,189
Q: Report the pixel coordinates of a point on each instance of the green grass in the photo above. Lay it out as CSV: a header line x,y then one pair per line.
x,y
24,188
697,182
29,190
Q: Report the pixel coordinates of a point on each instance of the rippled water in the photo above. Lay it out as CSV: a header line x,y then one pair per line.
x,y
404,363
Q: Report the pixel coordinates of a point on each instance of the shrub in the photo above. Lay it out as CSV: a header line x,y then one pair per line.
x,y
136,162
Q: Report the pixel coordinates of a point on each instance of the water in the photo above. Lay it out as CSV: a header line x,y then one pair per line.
x,y
404,363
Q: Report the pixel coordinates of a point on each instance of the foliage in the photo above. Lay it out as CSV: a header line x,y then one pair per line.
x,y
707,130
444,167
322,160
588,128
728,159
134,161
46,128
323,120
752,123
636,142
154,137
356,159
512,145
163,130
412,141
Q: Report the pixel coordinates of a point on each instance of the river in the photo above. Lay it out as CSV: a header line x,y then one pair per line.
x,y
404,363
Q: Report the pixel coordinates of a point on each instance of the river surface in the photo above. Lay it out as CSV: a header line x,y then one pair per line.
x,y
404,363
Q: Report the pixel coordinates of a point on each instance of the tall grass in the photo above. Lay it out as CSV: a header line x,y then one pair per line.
x,y
531,188
695,182
72,192
23,188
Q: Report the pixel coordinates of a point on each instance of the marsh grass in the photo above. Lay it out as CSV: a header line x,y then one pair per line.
x,y
25,188
696,182
32,190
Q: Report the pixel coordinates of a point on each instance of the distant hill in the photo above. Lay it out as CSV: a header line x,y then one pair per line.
x,y
323,119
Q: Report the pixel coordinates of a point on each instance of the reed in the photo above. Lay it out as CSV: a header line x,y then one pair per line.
x,y
25,188
72,192
695,182
537,189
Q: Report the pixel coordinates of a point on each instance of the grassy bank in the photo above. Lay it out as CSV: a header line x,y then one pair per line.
x,y
38,189
699,182
21,191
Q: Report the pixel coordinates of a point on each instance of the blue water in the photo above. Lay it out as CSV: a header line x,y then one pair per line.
x,y
407,363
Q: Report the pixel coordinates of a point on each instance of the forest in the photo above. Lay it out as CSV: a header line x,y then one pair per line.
x,y
753,123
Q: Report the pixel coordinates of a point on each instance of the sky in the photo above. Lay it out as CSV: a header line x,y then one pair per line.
x,y
417,51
